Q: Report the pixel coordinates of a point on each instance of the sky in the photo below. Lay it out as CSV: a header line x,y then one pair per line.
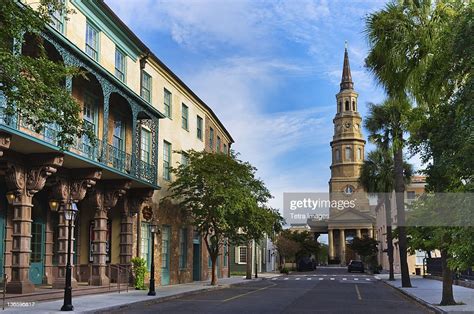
x,y
269,69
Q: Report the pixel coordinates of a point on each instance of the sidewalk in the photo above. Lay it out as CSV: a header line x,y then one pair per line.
x,y
115,300
428,291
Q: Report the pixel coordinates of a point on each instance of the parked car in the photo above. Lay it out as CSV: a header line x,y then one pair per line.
x,y
355,266
306,264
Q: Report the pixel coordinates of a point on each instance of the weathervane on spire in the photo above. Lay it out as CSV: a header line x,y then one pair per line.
x,y
345,44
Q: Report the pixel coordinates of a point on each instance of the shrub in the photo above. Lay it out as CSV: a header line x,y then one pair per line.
x,y
284,270
139,269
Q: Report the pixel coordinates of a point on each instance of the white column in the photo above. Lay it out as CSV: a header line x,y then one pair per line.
x,y
342,240
331,244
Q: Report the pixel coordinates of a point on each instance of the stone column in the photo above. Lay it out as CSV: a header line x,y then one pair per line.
x,y
103,198
331,244
371,232
359,233
24,178
71,186
342,240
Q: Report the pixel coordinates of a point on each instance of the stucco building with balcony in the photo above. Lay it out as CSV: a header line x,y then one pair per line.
x,y
141,113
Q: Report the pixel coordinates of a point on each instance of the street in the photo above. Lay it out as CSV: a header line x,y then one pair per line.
x,y
329,290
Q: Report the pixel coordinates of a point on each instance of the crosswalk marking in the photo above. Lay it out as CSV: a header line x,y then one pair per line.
x,y
344,278
333,278
321,278
368,279
287,278
308,278
275,278
356,278
298,278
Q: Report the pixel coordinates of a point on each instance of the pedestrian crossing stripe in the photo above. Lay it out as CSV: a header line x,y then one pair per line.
x,y
298,278
333,278
321,278
356,278
308,278
344,278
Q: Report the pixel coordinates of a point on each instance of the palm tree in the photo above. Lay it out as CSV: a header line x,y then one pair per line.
x,y
386,124
377,177
420,49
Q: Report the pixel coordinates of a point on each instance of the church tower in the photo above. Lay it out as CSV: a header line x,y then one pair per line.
x,y
348,143
347,148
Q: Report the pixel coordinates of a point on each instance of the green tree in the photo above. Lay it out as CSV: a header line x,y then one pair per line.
x,y
423,50
367,248
223,199
287,248
32,84
387,124
377,177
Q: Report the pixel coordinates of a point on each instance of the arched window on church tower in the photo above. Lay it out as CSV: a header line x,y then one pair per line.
x,y
353,105
348,155
338,155
359,154
340,106
347,105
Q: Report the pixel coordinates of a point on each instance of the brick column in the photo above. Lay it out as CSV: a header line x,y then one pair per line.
x,y
71,186
24,178
103,198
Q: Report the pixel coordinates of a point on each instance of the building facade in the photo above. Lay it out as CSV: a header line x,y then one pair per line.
x,y
141,113
413,190
348,148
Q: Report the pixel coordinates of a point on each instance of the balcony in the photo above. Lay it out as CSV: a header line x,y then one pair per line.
x,y
101,152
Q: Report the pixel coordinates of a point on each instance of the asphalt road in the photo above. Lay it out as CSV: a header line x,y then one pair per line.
x,y
327,290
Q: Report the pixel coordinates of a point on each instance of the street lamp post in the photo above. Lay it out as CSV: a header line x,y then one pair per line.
x,y
69,215
154,230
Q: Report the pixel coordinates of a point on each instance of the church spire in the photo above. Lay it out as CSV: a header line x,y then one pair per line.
x,y
346,80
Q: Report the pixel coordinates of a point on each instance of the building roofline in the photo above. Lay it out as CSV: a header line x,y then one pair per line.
x,y
147,52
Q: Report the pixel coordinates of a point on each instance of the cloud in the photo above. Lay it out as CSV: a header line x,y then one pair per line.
x,y
240,53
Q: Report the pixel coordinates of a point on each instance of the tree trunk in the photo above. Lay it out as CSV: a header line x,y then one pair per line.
x,y
213,269
448,296
256,261
400,201
228,259
388,222
249,261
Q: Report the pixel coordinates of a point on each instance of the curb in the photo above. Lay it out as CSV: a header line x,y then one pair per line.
x,y
416,299
157,300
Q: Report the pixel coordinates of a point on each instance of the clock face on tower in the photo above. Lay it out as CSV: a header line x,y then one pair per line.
x,y
348,190
347,125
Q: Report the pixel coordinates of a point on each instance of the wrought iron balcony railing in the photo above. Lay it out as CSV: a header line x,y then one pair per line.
x,y
100,151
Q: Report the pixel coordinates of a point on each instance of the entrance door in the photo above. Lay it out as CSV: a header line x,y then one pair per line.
x,y
165,255
37,252
196,261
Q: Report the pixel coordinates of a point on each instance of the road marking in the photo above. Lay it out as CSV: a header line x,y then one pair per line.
x,y
308,278
247,293
344,278
275,278
298,278
368,279
358,293
321,278
333,279
356,278
286,278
